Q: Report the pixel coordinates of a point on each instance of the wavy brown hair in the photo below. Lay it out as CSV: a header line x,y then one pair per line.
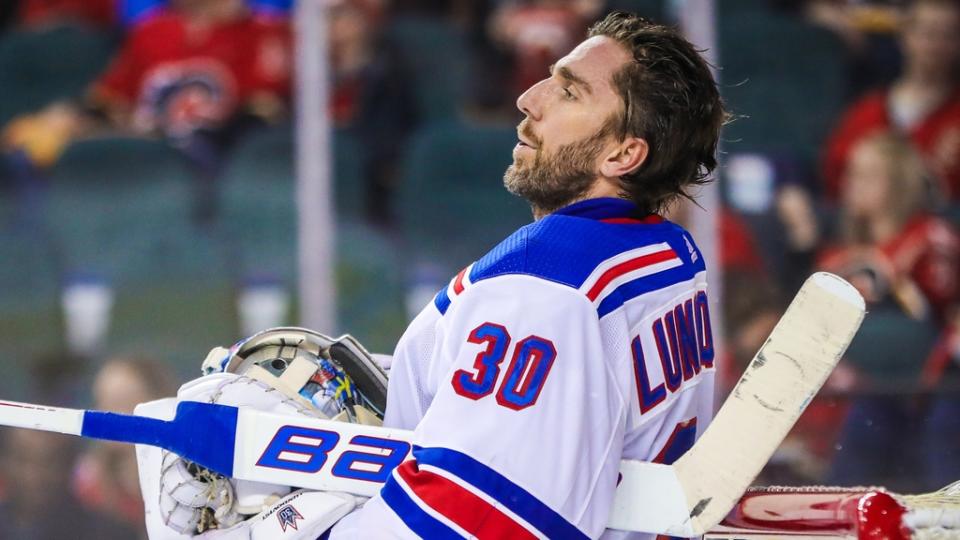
x,y
671,100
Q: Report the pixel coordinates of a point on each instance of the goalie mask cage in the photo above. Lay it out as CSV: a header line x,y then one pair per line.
x,y
857,513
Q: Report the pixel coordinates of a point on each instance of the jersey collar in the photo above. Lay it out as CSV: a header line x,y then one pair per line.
x,y
609,210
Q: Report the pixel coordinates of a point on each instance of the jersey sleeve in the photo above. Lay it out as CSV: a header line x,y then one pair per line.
x,y
524,434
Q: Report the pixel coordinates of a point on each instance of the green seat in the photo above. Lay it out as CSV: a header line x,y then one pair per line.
x,y
436,54
369,286
29,307
122,208
783,78
891,348
259,214
261,179
453,206
38,67
29,275
258,206
177,322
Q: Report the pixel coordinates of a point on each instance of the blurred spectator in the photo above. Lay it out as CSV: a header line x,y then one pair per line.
x,y
105,477
97,13
196,67
134,11
198,73
889,243
538,32
924,102
372,96
37,504
905,262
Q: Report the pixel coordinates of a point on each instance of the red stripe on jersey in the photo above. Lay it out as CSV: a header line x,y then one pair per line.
x,y
470,512
458,282
629,266
652,219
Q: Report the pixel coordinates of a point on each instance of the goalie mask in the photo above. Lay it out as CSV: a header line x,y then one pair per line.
x,y
283,370
337,376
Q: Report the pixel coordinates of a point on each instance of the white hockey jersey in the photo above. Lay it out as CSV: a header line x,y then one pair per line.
x,y
582,339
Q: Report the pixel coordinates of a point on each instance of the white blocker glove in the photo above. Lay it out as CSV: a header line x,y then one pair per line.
x,y
183,500
300,515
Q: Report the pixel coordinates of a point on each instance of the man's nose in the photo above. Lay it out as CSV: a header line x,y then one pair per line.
x,y
529,102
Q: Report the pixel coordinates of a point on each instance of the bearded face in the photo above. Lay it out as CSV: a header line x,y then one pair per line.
x,y
550,181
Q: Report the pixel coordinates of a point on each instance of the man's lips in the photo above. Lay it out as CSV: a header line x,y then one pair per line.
x,y
525,142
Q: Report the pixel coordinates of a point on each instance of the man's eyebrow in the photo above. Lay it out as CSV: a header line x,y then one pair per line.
x,y
566,74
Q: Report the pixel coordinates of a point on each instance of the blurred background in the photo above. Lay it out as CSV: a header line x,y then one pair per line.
x,y
149,207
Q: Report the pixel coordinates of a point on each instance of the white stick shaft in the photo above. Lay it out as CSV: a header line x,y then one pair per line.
x,y
28,415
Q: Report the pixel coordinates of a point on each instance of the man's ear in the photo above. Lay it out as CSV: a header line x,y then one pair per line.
x,y
626,158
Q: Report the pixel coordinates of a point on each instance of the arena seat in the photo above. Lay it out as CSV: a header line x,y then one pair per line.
x,y
434,50
270,154
891,347
259,218
453,206
783,79
122,208
29,273
40,66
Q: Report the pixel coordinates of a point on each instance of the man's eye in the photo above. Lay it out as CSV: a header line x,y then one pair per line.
x,y
568,94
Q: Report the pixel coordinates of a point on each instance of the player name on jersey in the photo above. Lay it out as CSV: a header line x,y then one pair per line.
x,y
684,344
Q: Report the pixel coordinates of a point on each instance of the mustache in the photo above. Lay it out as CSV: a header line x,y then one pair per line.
x,y
527,132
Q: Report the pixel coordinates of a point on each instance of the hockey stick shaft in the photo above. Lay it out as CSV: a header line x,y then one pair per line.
x,y
684,499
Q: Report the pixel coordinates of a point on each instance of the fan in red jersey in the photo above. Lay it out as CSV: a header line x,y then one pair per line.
x,y
197,66
924,103
890,243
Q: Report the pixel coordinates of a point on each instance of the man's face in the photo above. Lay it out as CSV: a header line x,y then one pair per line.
x,y
565,134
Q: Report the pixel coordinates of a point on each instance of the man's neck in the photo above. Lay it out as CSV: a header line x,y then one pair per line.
x,y
602,187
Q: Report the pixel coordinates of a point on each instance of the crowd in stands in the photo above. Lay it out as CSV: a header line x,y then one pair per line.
x,y
855,171
53,486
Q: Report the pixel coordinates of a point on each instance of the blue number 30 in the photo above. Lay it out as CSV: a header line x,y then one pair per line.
x,y
525,377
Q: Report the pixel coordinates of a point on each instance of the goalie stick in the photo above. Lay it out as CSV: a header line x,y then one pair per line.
x,y
683,499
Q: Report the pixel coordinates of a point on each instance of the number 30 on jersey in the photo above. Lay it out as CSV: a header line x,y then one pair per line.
x,y
530,363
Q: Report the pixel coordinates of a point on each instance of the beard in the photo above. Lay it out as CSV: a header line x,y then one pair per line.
x,y
552,181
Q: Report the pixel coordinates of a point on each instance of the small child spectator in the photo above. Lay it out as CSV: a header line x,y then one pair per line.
x,y
105,477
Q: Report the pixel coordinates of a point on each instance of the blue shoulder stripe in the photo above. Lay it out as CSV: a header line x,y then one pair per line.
x,y
442,300
567,250
497,486
692,264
